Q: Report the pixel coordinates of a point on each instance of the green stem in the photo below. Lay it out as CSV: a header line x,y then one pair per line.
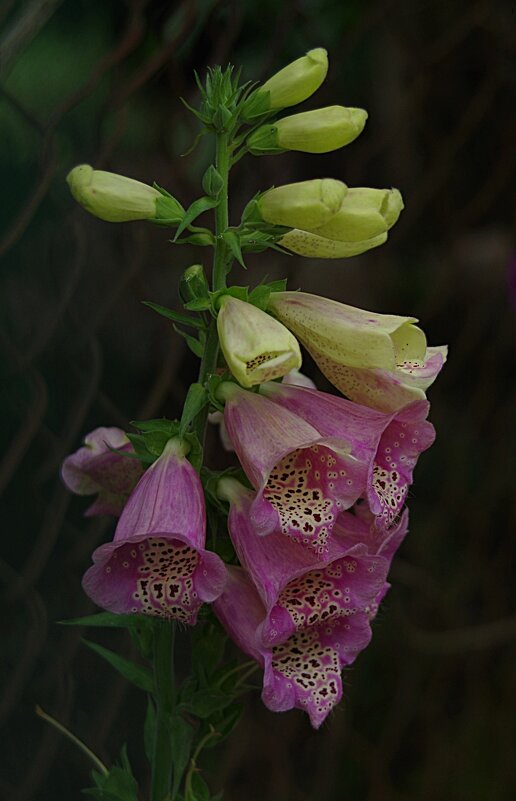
x,y
220,266
164,693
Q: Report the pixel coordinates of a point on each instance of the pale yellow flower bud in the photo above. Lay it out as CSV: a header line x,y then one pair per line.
x,y
256,346
307,204
318,131
115,198
298,80
364,213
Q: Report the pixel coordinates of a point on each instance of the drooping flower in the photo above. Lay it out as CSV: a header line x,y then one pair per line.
x,y
157,564
115,198
292,84
256,346
379,360
301,618
390,443
318,131
104,467
303,480
307,204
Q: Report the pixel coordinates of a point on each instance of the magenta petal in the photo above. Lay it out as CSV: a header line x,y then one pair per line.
x,y
389,442
303,480
261,434
241,611
408,435
360,529
97,468
157,564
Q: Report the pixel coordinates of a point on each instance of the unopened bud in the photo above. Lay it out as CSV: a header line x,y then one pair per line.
x,y
115,198
318,131
364,213
291,85
308,204
256,347
193,283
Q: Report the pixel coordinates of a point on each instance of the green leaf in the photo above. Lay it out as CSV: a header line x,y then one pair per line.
x,y
149,729
226,724
177,317
181,745
199,206
198,304
232,241
136,674
260,295
200,790
195,454
155,433
117,786
278,286
194,344
196,399
209,642
205,702
140,448
107,620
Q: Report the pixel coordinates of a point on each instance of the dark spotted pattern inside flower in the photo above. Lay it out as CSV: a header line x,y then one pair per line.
x,y
397,455
304,489
261,359
321,595
163,572
312,669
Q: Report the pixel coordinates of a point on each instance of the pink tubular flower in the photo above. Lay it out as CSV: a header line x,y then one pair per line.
x,y
301,618
156,564
390,444
303,480
97,468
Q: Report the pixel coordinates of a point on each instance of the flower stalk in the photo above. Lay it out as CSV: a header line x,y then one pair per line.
x,y
298,581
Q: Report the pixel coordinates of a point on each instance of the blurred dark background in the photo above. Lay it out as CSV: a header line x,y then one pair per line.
x,y
430,709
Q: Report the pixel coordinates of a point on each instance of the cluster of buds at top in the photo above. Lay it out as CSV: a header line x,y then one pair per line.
x,y
317,526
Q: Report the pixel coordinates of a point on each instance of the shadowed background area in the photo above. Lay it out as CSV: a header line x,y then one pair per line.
x,y
429,710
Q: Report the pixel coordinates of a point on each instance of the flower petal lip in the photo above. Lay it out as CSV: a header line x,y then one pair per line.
x,y
313,246
103,466
306,204
348,335
389,443
297,81
303,480
364,214
157,563
383,389
256,346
